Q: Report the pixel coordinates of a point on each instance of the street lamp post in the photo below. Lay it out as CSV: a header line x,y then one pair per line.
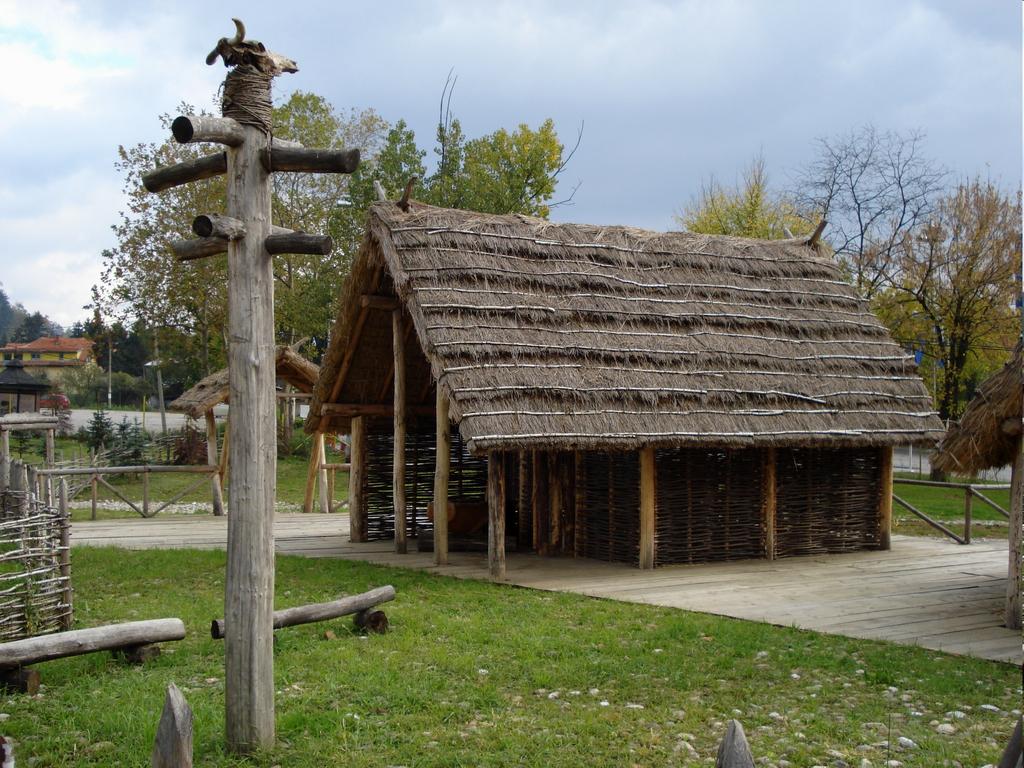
x,y
110,373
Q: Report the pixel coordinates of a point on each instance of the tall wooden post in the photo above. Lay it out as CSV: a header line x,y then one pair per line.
x,y
648,497
1013,580
49,448
885,498
398,475
496,514
245,234
316,458
5,459
356,478
211,459
768,500
325,497
442,469
67,595
249,586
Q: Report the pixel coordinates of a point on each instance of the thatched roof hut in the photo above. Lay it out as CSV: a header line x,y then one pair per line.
x,y
569,341
213,390
987,435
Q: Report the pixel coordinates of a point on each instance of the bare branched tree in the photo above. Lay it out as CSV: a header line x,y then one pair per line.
x,y
874,188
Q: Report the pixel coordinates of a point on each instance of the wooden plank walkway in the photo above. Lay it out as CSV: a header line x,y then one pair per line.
x,y
928,592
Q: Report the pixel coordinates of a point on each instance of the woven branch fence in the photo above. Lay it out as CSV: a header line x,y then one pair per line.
x,y
35,564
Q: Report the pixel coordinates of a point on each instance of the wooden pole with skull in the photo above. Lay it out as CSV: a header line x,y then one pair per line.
x,y
250,242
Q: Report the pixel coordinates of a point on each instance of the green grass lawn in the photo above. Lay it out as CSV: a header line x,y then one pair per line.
x,y
485,675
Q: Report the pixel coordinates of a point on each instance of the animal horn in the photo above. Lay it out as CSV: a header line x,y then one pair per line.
x,y
239,32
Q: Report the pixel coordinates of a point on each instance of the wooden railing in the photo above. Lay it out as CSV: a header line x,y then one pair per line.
x,y
971,491
96,477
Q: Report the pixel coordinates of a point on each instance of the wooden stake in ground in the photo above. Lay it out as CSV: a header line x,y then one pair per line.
x,y
173,748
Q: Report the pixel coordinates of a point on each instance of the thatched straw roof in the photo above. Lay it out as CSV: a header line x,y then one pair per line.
x,y
571,336
213,390
987,434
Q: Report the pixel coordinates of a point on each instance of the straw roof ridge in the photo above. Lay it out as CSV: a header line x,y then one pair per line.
x,y
568,335
987,434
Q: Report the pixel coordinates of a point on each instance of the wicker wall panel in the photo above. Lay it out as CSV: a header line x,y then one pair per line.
x,y
468,479
608,525
709,505
827,500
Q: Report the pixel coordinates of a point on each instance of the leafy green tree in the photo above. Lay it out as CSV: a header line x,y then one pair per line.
x,y
750,209
952,289
307,286
142,280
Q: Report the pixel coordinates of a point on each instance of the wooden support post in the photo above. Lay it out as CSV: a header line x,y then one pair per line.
x,y
49,448
145,493
312,472
330,472
211,458
222,466
5,459
768,500
67,595
356,479
173,746
648,498
555,502
94,487
249,584
325,499
1016,521
524,523
539,502
496,514
968,514
398,475
885,498
442,470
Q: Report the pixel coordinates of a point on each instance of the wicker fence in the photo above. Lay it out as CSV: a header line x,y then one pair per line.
x,y
35,560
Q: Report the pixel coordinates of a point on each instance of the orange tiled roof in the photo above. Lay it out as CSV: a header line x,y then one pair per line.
x,y
51,344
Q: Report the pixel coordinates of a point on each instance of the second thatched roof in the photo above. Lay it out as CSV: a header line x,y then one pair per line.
x,y
569,336
988,433
214,390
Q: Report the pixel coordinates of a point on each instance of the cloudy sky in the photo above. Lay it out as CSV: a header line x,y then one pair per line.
x,y
670,93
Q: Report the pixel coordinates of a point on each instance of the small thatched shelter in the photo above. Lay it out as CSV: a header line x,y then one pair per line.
x,y
204,395
987,437
618,394
199,401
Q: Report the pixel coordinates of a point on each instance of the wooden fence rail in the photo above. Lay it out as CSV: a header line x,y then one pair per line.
x,y
970,491
96,477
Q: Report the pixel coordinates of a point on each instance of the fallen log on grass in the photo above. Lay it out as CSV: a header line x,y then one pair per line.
x,y
307,614
134,641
